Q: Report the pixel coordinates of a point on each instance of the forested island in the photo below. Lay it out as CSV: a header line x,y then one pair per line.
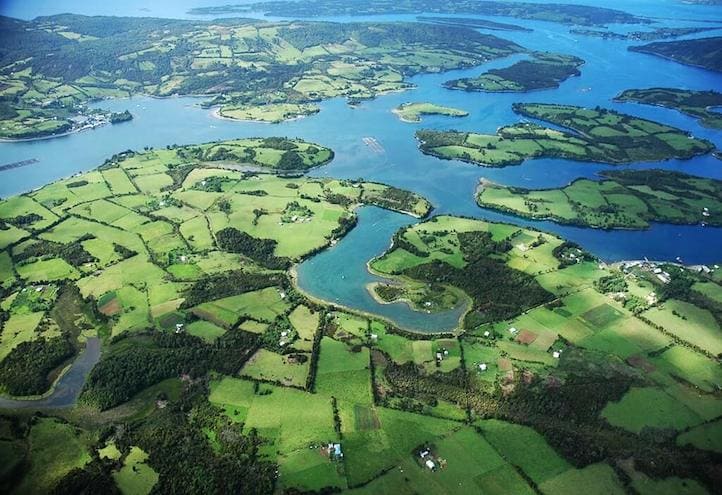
x,y
653,35
627,199
412,112
473,23
543,71
553,12
698,104
253,70
703,52
595,135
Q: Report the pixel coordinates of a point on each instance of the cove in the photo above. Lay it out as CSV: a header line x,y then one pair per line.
x,y
339,275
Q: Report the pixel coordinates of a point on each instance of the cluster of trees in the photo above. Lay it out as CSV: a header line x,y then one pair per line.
x,y
185,461
388,292
291,160
564,251
23,221
213,183
259,250
228,283
179,451
611,283
118,117
73,253
147,360
25,370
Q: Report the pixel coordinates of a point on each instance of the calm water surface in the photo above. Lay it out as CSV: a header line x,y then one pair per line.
x,y
339,274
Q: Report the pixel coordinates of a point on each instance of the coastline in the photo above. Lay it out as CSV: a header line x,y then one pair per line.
x,y
293,276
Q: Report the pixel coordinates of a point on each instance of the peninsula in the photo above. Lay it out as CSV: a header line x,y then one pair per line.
x,y
543,71
595,135
627,199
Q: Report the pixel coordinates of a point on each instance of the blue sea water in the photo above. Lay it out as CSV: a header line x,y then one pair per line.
x,y
339,274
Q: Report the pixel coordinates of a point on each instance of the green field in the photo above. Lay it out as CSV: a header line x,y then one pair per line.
x,y
269,366
649,407
55,449
688,322
135,477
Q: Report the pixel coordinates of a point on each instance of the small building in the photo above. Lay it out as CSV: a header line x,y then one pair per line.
x,y
337,450
424,453
179,327
482,367
555,354
284,333
487,333
512,330
430,464
374,336
439,357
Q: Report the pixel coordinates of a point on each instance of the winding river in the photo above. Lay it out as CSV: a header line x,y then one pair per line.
x,y
67,388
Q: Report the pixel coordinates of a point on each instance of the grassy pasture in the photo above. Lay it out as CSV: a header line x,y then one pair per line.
x,y
267,365
135,477
597,479
263,305
524,447
707,436
342,373
55,449
690,323
642,407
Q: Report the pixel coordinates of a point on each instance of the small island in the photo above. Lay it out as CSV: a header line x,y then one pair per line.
x,y
698,104
273,113
626,199
662,33
596,135
118,117
703,52
412,112
544,71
